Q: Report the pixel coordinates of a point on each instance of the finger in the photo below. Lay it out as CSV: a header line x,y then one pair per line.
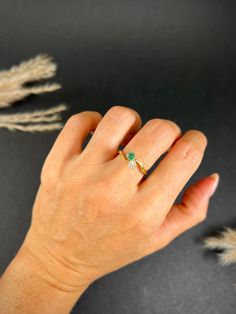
x,y
69,141
114,129
190,212
174,171
154,139
129,137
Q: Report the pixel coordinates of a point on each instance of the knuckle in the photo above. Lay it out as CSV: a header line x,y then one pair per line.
x,y
121,112
82,116
198,136
154,123
75,118
172,126
191,153
163,124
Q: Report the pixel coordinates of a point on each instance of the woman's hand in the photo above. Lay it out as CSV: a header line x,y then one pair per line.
x,y
93,215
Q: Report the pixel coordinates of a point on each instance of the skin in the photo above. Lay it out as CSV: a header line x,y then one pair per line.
x,y
93,215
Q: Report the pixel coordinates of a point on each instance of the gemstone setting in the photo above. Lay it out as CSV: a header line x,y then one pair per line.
x,y
132,164
131,156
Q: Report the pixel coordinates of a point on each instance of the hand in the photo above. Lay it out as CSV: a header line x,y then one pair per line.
x,y
93,215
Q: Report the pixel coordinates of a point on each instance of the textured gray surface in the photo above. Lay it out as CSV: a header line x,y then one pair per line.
x,y
172,59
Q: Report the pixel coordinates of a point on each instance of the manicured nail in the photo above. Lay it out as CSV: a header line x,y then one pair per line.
x,y
216,178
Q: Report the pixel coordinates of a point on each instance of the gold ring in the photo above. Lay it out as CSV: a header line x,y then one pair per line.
x,y
132,161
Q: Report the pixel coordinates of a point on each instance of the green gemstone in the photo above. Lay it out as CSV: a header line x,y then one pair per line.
x,y
131,156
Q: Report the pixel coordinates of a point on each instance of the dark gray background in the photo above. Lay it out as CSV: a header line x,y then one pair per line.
x,y
171,59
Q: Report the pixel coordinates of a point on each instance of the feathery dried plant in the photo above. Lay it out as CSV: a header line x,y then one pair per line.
x,y
225,242
13,88
38,120
12,82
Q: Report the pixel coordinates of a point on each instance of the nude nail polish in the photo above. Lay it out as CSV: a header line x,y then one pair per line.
x,y
216,178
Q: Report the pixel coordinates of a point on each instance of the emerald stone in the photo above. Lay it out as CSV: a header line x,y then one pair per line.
x,y
130,156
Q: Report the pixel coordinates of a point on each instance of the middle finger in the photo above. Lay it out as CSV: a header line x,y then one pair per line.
x,y
154,139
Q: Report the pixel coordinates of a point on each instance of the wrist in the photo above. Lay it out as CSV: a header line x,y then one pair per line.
x,y
52,261
28,287
57,274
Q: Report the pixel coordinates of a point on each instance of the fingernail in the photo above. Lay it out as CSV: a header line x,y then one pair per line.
x,y
216,178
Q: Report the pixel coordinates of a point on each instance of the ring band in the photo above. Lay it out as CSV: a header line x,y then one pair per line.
x,y
132,161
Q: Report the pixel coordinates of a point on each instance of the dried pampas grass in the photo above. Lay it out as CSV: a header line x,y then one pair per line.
x,y
12,82
39,120
13,88
225,242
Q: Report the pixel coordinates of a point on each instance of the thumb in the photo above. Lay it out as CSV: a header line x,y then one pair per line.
x,y
191,211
